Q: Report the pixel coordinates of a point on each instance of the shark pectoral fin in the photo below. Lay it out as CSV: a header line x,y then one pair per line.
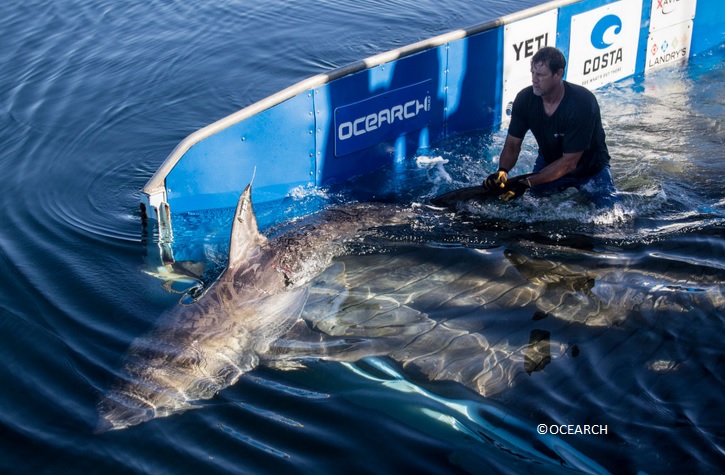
x,y
327,294
275,316
245,231
364,325
340,328
284,309
337,311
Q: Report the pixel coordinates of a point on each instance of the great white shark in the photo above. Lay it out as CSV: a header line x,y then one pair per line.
x,y
200,349
298,295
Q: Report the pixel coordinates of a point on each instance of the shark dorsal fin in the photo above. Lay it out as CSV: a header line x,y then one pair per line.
x,y
245,231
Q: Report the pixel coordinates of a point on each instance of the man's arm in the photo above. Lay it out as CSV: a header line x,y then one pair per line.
x,y
509,157
510,152
556,169
549,173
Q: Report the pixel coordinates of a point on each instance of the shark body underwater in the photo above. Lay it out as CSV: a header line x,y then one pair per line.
x,y
296,296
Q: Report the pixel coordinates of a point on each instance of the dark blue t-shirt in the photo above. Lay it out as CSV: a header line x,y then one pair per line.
x,y
575,126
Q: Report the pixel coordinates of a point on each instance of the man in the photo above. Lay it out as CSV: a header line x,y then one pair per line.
x,y
567,125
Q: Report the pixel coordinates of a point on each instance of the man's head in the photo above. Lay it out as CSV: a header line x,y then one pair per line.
x,y
550,57
547,70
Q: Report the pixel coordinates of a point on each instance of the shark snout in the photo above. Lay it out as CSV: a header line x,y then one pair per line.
x,y
115,415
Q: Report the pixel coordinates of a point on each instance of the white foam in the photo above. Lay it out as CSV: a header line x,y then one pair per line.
x,y
307,191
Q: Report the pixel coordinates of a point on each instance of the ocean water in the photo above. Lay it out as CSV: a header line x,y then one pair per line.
x,y
627,303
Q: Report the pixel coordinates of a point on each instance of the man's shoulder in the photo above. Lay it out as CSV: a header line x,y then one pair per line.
x,y
578,90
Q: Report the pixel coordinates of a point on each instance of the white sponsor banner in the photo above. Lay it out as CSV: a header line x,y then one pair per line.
x,y
604,42
522,39
666,13
669,45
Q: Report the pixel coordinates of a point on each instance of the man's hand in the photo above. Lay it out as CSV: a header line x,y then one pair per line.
x,y
496,180
515,188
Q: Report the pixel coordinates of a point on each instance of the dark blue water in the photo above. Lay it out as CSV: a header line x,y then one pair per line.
x,y
93,97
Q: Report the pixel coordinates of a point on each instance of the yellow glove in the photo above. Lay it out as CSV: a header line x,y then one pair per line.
x,y
515,188
496,180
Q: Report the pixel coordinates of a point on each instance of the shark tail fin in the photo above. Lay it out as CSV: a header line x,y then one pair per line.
x,y
245,231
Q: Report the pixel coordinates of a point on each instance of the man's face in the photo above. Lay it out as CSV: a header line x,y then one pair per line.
x,y
543,80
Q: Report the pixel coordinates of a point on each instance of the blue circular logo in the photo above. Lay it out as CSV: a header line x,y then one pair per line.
x,y
601,29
